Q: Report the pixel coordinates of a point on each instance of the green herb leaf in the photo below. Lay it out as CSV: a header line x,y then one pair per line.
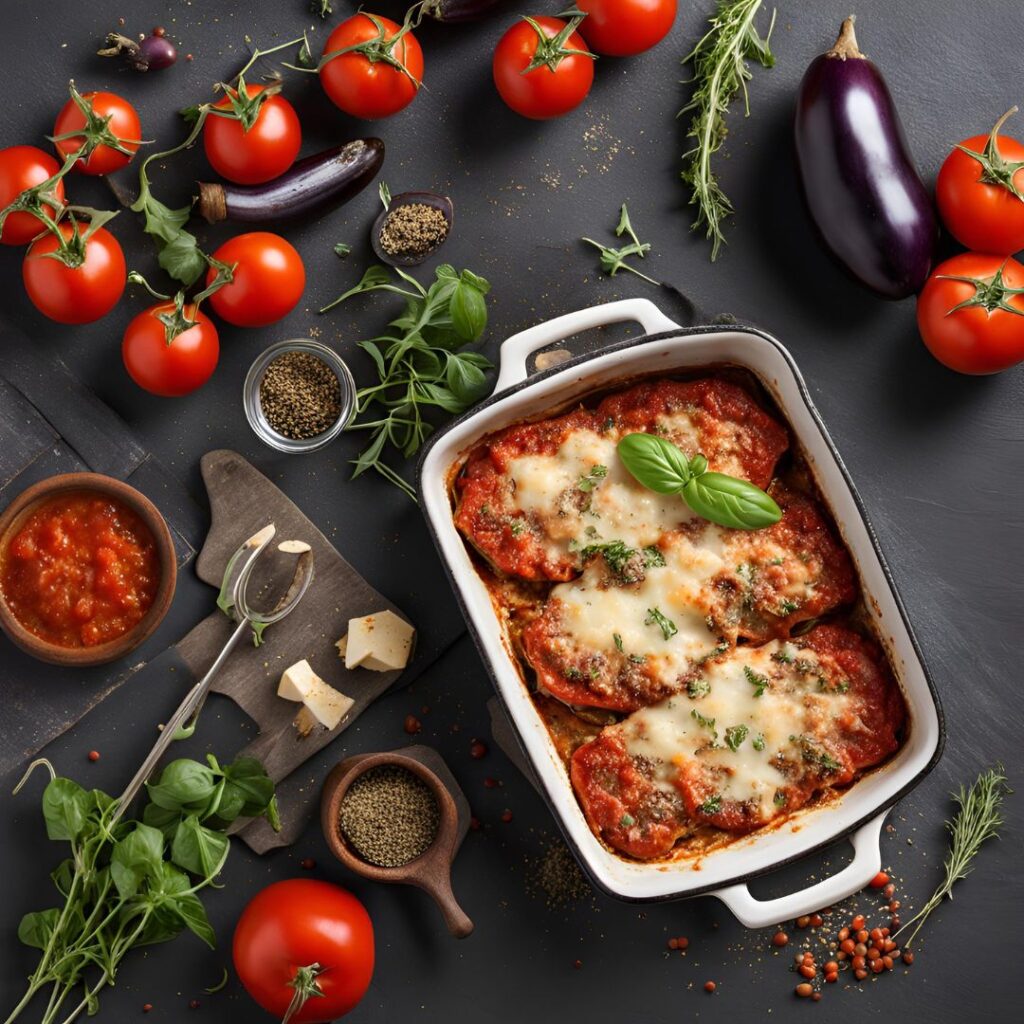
x,y
342,250
758,742
249,778
135,858
712,805
36,928
704,722
653,558
735,735
468,310
756,680
626,821
731,502
618,642
697,688
655,617
199,849
655,462
184,785
66,809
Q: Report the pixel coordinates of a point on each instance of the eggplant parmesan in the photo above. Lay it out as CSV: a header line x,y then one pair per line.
x,y
698,682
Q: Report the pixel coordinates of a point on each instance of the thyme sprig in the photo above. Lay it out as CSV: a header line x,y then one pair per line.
x,y
720,70
978,819
613,260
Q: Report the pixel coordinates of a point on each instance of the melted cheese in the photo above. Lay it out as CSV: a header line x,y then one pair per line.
x,y
670,737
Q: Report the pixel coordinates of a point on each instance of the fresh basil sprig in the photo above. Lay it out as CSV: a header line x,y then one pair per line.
x,y
661,466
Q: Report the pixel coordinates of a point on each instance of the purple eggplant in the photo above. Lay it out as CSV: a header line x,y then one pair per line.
x,y
453,11
311,186
859,179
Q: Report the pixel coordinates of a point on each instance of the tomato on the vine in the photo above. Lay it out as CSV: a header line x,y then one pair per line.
x,y
106,116
305,946
170,368
21,168
980,192
381,70
542,67
268,280
260,152
971,313
624,28
83,290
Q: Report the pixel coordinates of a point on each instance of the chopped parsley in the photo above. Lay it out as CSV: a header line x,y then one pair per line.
x,y
735,735
787,607
758,742
697,688
592,479
712,805
784,654
518,527
668,627
626,820
653,558
721,648
780,799
756,680
619,557
704,721
594,670
618,642
814,754
827,687
638,659
746,572
572,672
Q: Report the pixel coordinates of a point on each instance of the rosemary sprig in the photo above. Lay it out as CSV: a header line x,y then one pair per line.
x,y
720,70
979,818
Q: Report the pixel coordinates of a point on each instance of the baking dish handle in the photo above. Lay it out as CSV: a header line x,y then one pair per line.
x,y
517,349
867,860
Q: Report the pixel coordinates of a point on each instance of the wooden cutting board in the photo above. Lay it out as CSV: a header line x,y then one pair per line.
x,y
242,501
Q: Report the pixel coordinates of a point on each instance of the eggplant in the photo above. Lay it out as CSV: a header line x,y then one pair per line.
x,y
862,188
454,11
311,186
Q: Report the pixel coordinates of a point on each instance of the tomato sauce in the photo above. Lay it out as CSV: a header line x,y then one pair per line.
x,y
82,570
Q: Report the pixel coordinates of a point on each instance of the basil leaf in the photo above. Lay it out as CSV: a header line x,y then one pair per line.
x,y
655,462
174,907
162,818
468,310
138,856
199,849
66,809
465,380
249,778
182,258
184,786
731,502
36,928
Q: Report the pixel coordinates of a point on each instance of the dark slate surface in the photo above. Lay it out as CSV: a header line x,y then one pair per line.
x,y
938,458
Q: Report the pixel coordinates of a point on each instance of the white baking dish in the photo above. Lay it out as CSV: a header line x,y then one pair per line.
x,y
859,812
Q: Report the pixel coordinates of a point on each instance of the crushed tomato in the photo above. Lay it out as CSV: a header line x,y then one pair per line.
x,y
82,570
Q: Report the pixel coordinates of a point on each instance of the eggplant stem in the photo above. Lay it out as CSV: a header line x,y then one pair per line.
x,y
846,42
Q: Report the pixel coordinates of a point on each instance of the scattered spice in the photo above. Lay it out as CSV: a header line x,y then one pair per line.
x,y
506,816
193,1004
413,229
94,755
879,881
307,863
474,823
557,877
490,783
146,1007
780,938
577,964
300,395
412,725
477,749
710,986
389,816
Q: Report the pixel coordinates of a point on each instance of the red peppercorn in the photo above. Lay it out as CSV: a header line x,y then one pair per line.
x,y
474,823
877,966
146,1007
804,991
860,974
506,815
673,943
577,964
831,967
844,934
193,1004
682,942
857,923
889,891
887,962
94,755
803,922
307,863
848,946
895,905
859,963
160,31
863,935
908,957
831,979
879,881
477,749
780,938
816,920
808,971
709,986
412,725
490,783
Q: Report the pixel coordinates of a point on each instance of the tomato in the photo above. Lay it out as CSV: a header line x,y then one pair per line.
x,y
80,294
543,92
623,28
268,280
987,215
986,336
292,925
122,122
361,83
22,167
170,369
262,153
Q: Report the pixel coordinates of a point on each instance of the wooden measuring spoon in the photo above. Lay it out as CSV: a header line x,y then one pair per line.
x,y
431,870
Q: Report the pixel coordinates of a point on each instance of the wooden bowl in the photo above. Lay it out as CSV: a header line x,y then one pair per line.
x,y
431,870
80,657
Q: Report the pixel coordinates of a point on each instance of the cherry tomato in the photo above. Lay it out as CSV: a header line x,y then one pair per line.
x,y
75,295
123,123
985,336
22,167
268,281
263,152
543,92
170,369
623,28
984,215
369,88
295,924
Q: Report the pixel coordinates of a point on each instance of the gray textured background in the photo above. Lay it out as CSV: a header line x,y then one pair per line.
x,y
938,459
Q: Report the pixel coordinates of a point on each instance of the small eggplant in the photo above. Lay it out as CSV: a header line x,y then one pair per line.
x,y
311,186
151,53
859,179
455,11
397,257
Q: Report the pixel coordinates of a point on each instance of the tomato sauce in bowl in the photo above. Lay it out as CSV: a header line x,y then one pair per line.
x,y
81,569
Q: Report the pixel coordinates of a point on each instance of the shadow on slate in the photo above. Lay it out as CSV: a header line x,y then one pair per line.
x,y
51,423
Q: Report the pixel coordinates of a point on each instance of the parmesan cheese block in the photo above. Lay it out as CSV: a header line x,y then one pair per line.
x,y
328,705
297,681
381,642
319,699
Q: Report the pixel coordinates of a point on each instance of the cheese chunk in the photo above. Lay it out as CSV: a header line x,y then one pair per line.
x,y
297,681
342,646
327,705
381,642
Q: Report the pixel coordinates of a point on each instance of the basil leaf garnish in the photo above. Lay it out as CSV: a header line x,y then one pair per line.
x,y
655,462
729,501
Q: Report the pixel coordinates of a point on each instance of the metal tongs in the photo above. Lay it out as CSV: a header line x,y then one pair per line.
x,y
233,600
